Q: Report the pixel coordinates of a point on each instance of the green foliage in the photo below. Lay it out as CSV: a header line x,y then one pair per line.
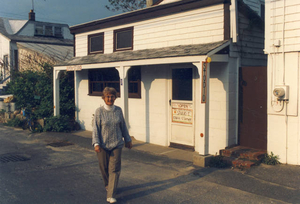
x,y
125,5
33,90
15,122
218,162
66,94
37,128
58,124
271,159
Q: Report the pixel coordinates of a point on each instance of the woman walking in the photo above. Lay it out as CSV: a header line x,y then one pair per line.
x,y
109,129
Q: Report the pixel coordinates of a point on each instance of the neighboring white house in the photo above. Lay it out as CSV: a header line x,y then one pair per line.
x,y
282,45
22,42
158,59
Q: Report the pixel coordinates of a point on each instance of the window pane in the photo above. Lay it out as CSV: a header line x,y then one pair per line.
x,y
124,39
39,30
182,84
58,32
97,87
100,78
96,43
134,79
48,31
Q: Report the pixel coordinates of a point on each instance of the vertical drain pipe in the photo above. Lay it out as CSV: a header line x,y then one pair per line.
x,y
283,80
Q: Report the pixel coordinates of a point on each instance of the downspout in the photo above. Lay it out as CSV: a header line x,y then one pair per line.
x,y
283,80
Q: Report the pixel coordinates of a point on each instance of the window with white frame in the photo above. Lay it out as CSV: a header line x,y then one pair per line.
x,y
48,31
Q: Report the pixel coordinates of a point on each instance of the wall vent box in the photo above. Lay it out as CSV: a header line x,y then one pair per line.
x,y
281,92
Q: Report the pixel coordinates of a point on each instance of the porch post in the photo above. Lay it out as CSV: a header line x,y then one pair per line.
x,y
56,76
202,109
76,94
124,90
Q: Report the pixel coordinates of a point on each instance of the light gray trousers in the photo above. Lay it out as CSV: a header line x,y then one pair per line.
x,y
110,167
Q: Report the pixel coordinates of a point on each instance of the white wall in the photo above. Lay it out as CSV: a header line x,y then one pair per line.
x,y
203,25
4,46
222,105
283,30
154,101
275,16
4,49
283,118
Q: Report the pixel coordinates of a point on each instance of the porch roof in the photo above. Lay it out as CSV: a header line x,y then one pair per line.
x,y
166,52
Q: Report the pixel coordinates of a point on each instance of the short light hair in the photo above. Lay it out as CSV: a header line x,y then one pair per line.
x,y
109,90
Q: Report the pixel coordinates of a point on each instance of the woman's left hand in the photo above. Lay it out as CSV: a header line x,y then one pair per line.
x,y
128,145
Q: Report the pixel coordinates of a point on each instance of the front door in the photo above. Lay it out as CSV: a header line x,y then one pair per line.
x,y
182,108
253,107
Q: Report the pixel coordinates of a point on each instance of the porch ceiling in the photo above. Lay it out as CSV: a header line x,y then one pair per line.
x,y
167,52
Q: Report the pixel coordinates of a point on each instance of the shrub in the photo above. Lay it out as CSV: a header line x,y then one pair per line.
x,y
58,124
271,159
15,122
33,90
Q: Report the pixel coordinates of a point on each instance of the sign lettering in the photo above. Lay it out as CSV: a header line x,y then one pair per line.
x,y
204,82
182,113
74,68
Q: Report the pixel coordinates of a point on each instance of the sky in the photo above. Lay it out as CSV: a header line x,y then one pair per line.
x,y
71,12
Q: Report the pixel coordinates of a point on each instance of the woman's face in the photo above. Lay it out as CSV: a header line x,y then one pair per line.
x,y
109,99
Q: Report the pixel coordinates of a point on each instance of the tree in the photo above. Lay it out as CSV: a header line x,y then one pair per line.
x,y
125,5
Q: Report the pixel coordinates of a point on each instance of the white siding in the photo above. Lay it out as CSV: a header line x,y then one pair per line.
x,y
4,46
148,115
81,45
203,25
222,106
283,30
154,102
279,19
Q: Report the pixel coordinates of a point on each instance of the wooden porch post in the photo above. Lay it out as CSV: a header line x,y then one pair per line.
x,y
202,109
56,76
124,90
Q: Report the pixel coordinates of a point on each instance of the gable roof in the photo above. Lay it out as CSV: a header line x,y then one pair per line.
x,y
166,52
10,28
13,26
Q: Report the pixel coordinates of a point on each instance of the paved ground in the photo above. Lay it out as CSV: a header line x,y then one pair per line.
x,y
150,174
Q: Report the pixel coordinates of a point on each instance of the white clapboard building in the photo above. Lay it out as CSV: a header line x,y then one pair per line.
x,y
176,66
282,45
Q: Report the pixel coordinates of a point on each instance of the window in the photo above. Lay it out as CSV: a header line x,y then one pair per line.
x,y
48,31
134,82
5,62
182,84
123,39
96,43
58,32
101,78
39,30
